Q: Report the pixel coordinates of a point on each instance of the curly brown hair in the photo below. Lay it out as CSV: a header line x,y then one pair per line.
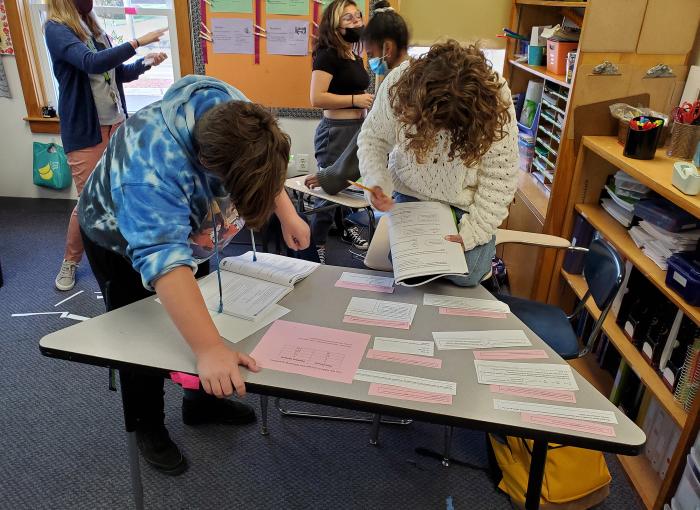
x,y
242,144
451,88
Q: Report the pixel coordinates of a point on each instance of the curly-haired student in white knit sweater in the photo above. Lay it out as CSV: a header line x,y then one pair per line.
x,y
448,124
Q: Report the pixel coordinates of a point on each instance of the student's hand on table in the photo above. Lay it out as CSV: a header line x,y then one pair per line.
x,y
455,238
311,181
219,373
296,233
380,201
363,100
154,59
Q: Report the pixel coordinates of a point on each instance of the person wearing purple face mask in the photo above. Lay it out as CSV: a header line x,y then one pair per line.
x,y
91,106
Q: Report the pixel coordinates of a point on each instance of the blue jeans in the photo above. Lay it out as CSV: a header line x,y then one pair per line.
x,y
478,258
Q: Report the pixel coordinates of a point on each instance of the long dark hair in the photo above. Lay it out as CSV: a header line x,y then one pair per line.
x,y
328,35
386,24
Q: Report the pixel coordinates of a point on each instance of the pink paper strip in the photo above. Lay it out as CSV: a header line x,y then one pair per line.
x,y
557,395
349,319
472,313
187,381
500,354
313,351
130,10
401,393
409,359
600,429
360,286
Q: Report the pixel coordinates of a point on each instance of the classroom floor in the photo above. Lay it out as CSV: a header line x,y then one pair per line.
x,y
63,445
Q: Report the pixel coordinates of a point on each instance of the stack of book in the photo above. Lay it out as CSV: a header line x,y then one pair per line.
x,y
624,192
659,244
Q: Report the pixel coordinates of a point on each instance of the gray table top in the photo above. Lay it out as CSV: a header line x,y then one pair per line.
x,y
142,334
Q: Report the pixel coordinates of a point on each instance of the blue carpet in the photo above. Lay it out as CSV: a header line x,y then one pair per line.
x,y
62,445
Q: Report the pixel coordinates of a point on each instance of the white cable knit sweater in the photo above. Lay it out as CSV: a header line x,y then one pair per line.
x,y
484,191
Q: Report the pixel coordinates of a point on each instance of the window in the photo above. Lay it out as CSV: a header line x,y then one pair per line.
x,y
496,56
123,20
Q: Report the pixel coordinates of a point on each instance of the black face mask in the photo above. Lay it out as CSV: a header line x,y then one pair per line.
x,y
84,6
353,35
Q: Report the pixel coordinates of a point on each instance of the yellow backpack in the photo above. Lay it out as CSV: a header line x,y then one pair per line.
x,y
574,478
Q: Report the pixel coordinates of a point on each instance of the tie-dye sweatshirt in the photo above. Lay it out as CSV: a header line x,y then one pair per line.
x,y
149,199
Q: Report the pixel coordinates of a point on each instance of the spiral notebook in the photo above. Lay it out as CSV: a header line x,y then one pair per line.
x,y
690,377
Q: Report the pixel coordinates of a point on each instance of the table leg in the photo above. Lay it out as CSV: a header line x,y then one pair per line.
x,y
135,469
534,482
448,445
376,420
371,222
263,412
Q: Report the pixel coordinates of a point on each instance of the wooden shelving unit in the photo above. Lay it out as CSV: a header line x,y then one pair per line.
x,y
643,477
599,158
617,235
541,71
629,352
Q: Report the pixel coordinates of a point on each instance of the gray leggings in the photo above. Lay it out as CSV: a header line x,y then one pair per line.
x,y
331,139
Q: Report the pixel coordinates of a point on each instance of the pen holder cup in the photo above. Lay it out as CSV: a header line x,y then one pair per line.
x,y
684,140
642,144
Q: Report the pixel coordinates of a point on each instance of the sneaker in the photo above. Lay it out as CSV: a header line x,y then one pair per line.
x,y
160,451
321,250
66,276
351,235
207,409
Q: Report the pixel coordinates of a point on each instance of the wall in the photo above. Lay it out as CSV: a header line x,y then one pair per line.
x,y
464,20
16,143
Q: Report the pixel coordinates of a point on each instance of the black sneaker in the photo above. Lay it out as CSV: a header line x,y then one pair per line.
x,y
209,409
160,451
321,250
351,235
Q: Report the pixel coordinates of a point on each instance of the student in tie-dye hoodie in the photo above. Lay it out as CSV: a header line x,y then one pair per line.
x,y
202,158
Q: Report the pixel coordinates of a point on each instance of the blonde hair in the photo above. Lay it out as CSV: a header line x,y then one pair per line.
x,y
66,13
328,34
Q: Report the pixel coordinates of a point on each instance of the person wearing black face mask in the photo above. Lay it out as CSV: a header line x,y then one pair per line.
x,y
91,106
338,85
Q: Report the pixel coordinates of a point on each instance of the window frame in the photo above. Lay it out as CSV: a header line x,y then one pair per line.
x,y
29,64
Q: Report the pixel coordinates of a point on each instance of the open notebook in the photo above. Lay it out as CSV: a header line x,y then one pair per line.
x,y
419,251
251,287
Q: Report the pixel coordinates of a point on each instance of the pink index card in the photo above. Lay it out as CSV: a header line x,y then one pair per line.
x,y
600,429
500,354
313,351
376,322
361,286
401,393
409,359
557,395
187,381
472,313
130,10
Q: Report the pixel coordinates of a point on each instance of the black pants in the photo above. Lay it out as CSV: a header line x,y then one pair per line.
x,y
142,390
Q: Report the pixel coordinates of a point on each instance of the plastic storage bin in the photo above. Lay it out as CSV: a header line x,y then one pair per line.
x,y
557,54
664,214
683,276
526,148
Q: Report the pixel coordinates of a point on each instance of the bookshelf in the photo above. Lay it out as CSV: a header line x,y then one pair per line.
x,y
600,157
630,48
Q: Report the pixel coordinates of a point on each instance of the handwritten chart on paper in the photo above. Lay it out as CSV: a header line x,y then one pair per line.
x,y
232,35
285,37
290,7
314,351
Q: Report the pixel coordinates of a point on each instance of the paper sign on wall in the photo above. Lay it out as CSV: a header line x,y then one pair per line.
x,y
233,35
285,37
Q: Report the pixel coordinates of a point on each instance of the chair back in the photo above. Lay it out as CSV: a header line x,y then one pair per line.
x,y
604,272
377,256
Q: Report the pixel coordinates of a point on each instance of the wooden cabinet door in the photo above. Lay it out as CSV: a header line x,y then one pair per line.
x,y
669,27
522,261
612,25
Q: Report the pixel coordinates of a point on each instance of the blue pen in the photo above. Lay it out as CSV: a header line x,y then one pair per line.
x,y
252,239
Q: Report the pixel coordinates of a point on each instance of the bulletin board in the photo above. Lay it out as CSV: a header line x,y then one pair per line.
x,y
277,81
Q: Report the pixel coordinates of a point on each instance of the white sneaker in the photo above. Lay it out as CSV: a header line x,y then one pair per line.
x,y
321,250
66,276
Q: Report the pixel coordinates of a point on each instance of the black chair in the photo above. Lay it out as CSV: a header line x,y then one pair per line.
x,y
604,272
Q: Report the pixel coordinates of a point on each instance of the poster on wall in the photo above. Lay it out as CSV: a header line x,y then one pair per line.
x,y
5,40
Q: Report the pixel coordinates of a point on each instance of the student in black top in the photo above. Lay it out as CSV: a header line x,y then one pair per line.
x,y
338,85
386,39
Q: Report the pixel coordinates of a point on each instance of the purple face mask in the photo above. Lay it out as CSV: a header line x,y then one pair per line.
x,y
84,6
